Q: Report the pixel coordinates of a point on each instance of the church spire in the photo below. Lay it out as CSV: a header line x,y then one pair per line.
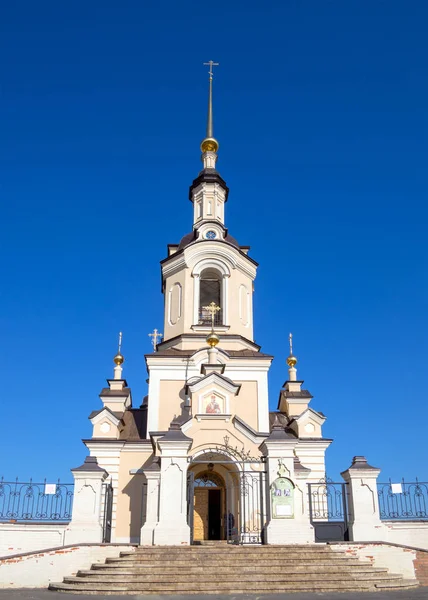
x,y
118,360
292,361
209,145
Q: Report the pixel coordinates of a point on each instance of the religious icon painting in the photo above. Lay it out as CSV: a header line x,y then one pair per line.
x,y
214,404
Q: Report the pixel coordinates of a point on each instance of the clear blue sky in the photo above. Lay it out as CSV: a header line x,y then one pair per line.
x,y
321,113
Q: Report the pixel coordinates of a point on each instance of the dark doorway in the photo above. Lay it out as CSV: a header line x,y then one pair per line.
x,y
214,514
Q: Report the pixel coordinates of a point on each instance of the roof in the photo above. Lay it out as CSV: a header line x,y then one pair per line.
x,y
125,392
90,466
116,414
278,426
135,424
245,353
301,394
189,238
208,176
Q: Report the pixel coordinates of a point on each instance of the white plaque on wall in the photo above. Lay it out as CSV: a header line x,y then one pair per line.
x,y
283,511
396,488
50,488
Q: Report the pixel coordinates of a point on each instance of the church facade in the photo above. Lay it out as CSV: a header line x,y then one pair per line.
x,y
203,458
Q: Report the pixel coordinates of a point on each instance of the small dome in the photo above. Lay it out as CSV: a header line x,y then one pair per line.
x,y
291,361
212,339
118,359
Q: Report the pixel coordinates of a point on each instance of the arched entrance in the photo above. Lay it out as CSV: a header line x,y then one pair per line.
x,y
213,498
238,482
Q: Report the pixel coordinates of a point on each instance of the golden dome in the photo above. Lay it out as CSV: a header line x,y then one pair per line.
x,y
291,361
212,339
118,359
209,144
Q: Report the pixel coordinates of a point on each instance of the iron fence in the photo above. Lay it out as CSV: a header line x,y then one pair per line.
x,y
328,509
403,501
29,501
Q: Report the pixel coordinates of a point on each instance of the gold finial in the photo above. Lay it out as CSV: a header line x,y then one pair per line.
x,y
291,360
212,339
210,144
118,359
155,335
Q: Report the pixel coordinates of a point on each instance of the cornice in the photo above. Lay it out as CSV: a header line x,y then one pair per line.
x,y
215,249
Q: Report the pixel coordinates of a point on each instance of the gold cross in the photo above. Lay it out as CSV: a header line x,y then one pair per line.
x,y
211,64
213,309
155,335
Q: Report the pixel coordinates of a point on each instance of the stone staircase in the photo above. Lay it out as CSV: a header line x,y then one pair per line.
x,y
225,569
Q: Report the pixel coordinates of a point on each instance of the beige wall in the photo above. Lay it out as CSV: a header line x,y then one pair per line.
x,y
170,404
130,494
98,431
245,405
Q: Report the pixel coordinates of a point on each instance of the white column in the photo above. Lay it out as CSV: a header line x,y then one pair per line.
x,y
365,524
86,522
225,298
152,505
172,528
196,288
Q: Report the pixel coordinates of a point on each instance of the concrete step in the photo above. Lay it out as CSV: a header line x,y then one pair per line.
x,y
231,570
216,588
397,584
231,577
194,570
237,563
209,551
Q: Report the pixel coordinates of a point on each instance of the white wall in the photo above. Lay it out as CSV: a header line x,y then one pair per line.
x,y
40,569
407,533
27,537
397,560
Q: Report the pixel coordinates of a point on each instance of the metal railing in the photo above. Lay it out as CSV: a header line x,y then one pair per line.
x,y
28,501
403,501
205,318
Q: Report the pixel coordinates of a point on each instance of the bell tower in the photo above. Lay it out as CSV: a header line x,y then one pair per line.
x,y
208,265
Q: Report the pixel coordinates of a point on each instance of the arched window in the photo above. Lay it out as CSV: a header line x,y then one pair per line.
x,y
210,291
209,479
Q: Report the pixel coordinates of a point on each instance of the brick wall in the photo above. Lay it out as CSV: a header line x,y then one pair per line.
x,y
421,567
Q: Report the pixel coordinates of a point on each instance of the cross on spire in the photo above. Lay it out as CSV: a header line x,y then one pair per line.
x,y
155,335
213,309
211,64
290,338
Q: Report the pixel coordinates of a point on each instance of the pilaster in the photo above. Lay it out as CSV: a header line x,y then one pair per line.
x,y
152,475
172,528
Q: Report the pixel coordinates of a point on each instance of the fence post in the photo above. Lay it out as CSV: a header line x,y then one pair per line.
x,y
86,522
364,520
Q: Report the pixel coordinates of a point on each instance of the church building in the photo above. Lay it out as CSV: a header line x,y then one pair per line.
x,y
203,458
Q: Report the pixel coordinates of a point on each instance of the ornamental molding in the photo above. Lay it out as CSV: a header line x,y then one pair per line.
x,y
105,415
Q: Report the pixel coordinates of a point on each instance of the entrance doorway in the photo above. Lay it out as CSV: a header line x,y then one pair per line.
x,y
209,507
214,514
